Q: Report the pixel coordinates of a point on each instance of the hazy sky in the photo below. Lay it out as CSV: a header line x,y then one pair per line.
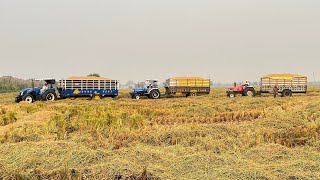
x,y
228,40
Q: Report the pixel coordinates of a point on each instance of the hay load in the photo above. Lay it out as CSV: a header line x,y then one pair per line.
x,y
284,76
188,82
87,78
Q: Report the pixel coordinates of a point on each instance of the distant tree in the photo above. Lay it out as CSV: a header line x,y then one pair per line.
x,y
140,85
129,83
94,74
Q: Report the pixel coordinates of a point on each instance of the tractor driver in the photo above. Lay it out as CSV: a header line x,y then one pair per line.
x,y
247,83
149,86
44,87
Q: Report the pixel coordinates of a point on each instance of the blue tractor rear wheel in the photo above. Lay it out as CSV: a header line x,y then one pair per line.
x,y
49,96
154,94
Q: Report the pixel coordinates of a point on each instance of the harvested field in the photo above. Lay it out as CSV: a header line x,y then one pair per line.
x,y
207,137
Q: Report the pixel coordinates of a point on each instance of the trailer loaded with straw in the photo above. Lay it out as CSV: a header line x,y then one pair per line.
x,y
187,86
286,83
94,87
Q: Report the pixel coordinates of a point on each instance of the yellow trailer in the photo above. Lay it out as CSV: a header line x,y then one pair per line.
x,y
187,86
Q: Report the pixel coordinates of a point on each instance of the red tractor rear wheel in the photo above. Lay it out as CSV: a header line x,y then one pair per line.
x,y
249,92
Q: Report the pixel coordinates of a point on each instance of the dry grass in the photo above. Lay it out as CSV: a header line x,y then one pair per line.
x,y
208,137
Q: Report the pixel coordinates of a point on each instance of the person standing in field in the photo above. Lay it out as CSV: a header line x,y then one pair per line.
x,y
275,91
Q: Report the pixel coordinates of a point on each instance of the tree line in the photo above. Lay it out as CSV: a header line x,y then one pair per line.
x,y
8,84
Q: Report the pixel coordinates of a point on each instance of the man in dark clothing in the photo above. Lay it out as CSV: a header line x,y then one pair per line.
x,y
275,91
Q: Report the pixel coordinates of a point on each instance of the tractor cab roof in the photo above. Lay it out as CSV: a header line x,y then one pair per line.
x,y
152,80
48,81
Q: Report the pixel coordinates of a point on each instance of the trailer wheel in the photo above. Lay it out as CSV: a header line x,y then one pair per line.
x,y
286,93
193,94
28,98
155,94
250,92
49,96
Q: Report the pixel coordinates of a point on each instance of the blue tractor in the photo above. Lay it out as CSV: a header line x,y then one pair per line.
x,y
31,95
151,90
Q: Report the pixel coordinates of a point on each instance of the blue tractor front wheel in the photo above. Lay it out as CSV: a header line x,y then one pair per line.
x,y
137,97
28,98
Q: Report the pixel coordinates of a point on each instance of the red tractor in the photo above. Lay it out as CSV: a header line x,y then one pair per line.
x,y
244,90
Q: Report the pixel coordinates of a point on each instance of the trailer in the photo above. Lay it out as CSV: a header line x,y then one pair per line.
x,y
187,86
94,87
286,83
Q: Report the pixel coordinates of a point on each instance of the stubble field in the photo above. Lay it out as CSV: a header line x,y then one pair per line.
x,y
207,137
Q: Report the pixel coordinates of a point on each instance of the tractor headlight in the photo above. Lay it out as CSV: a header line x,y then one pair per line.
x,y
21,93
